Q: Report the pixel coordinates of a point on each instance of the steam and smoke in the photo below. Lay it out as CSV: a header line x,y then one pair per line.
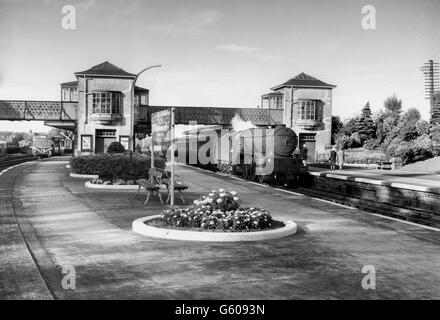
x,y
238,124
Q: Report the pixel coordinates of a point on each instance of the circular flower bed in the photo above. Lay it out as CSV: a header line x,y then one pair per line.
x,y
118,182
219,210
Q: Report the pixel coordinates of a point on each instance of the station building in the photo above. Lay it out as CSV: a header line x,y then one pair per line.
x,y
108,106
106,102
307,109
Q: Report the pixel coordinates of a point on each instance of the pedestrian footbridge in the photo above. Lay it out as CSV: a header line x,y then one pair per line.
x,y
64,114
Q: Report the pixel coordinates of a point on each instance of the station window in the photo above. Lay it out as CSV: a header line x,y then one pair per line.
x,y
144,99
307,136
106,132
310,110
141,99
69,94
74,94
106,102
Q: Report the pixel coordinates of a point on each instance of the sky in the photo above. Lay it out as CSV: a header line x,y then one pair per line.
x,y
222,52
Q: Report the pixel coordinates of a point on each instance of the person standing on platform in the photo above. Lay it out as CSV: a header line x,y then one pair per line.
x,y
332,159
341,158
304,154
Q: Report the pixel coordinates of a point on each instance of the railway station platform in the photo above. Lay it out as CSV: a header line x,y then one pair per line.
x,y
429,182
49,221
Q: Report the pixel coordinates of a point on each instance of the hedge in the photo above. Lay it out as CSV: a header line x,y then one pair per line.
x,y
357,156
115,166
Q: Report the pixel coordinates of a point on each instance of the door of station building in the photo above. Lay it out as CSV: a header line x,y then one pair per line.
x,y
103,139
308,139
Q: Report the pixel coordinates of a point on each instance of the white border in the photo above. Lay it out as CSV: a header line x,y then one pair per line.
x,y
115,187
398,185
83,176
140,227
14,166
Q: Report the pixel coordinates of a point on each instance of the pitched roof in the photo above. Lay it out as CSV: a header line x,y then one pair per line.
x,y
304,81
272,94
140,89
106,69
70,84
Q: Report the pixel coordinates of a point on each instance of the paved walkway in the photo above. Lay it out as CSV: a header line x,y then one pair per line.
x,y
63,225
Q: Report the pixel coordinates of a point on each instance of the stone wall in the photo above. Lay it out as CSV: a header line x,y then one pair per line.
x,y
418,204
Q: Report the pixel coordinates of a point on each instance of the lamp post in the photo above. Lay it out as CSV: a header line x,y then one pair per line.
x,y
132,116
133,96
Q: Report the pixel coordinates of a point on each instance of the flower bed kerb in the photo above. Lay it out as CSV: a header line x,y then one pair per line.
x,y
139,226
214,217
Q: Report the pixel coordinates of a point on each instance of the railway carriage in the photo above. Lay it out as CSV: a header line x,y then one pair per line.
x,y
44,146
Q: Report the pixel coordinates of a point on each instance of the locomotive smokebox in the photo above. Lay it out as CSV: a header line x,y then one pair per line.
x,y
278,141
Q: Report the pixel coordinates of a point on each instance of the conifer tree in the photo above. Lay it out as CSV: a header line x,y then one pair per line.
x,y
365,126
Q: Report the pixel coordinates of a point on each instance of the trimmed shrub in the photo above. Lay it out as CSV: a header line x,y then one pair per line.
x,y
115,147
357,156
362,156
411,153
115,166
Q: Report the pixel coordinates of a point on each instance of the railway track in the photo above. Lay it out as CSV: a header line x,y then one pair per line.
x,y
7,161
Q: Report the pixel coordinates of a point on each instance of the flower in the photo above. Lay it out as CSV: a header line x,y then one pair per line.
x,y
217,210
221,190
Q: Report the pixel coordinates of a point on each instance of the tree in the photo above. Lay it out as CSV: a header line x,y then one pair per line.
x,y
388,122
434,134
408,128
365,126
380,131
337,127
350,126
393,106
422,127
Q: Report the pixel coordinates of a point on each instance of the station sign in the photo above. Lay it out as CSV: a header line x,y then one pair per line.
x,y
161,126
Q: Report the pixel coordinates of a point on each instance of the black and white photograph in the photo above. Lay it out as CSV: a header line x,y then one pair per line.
x,y
219,154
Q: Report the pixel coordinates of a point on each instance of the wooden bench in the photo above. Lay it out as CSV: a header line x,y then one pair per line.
x,y
178,186
384,165
153,185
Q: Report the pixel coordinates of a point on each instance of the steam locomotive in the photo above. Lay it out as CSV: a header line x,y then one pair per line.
x,y
256,154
